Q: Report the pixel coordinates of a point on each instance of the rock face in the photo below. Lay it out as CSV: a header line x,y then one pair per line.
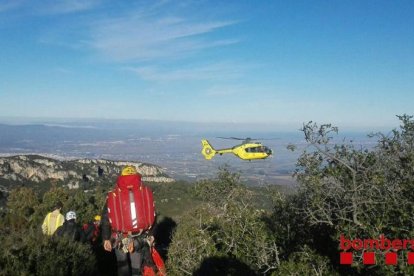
x,y
35,168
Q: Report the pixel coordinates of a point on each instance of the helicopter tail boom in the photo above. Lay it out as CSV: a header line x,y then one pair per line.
x,y
208,151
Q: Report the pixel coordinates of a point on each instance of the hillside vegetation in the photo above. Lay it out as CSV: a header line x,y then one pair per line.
x,y
221,227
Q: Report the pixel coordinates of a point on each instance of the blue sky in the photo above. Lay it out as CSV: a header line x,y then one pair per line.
x,y
282,63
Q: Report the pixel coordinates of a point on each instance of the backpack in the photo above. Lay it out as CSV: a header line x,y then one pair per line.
x,y
130,205
91,231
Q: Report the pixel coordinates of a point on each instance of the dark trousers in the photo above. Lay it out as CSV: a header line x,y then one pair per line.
x,y
134,263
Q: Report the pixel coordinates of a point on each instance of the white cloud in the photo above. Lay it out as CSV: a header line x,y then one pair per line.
x,y
62,70
66,6
144,35
147,32
217,72
231,90
49,7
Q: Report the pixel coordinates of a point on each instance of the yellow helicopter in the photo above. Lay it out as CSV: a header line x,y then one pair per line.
x,y
247,150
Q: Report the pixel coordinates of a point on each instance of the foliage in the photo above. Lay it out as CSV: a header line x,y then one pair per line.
x,y
191,243
21,203
228,226
343,190
50,199
84,205
305,262
218,190
31,253
357,192
242,234
291,229
63,257
26,251
173,199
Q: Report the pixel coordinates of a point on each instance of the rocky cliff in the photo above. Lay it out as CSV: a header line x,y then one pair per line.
x,y
36,168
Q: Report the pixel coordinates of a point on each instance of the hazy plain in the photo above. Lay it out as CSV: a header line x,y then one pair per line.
x,y
175,147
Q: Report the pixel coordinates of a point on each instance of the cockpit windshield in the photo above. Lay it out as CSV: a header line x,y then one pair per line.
x,y
259,149
268,150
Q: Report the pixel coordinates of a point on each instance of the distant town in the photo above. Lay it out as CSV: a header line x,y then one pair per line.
x,y
178,153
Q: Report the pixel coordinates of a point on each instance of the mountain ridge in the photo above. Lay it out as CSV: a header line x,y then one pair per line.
x,y
24,168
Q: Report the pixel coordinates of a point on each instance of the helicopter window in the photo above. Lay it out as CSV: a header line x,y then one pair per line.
x,y
256,149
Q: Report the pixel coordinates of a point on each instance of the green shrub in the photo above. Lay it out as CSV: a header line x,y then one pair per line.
x,y
192,242
32,253
227,229
305,262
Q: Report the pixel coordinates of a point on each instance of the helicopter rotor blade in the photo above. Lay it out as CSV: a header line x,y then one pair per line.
x,y
248,139
268,139
232,138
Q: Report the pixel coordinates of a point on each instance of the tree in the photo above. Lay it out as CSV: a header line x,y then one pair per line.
x,y
31,253
21,205
26,251
357,192
227,225
191,242
218,190
305,262
84,205
53,196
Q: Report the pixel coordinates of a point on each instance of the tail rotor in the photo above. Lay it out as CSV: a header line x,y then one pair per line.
x,y
208,151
